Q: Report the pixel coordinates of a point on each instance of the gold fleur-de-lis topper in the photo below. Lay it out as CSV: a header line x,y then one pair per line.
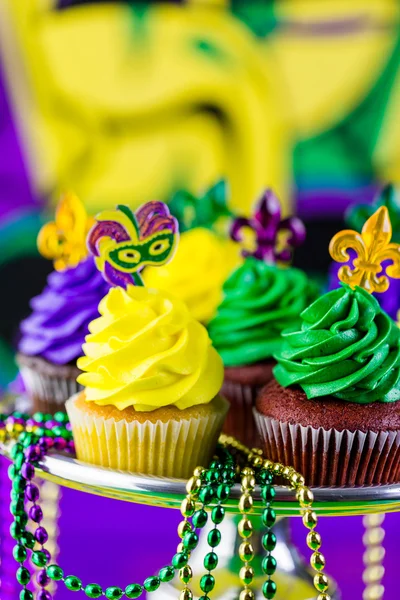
x,y
64,239
372,247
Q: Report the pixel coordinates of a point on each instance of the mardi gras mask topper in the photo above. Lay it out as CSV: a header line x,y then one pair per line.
x,y
64,240
372,247
123,242
274,239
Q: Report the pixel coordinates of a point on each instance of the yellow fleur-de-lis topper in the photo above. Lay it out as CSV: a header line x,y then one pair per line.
x,y
64,239
372,247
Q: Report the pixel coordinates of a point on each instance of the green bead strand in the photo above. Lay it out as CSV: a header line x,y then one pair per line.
x,y
92,590
268,493
16,531
39,559
73,583
21,520
180,560
207,495
207,583
214,538
217,514
269,565
166,574
223,491
269,589
151,584
25,595
39,417
15,450
199,518
28,540
19,553
114,593
269,541
133,591
23,576
55,572
269,517
210,561
190,541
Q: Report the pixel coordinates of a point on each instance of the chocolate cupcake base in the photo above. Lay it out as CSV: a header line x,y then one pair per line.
x,y
48,385
329,441
241,386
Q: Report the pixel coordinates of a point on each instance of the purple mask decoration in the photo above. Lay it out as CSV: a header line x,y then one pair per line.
x,y
123,242
268,227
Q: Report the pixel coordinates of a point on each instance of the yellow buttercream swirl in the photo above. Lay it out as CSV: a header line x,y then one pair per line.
x,y
147,351
202,263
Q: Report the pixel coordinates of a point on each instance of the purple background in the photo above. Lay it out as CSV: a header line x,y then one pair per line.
x,y
115,543
118,543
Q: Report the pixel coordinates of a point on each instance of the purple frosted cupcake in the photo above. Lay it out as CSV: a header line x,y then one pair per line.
x,y
52,336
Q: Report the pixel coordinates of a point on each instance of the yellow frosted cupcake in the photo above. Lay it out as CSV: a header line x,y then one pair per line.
x,y
151,376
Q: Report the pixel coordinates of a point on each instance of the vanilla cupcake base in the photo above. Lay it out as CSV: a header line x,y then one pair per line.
x,y
165,442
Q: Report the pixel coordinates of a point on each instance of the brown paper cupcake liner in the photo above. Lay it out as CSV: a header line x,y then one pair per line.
x,y
239,421
170,449
331,457
49,392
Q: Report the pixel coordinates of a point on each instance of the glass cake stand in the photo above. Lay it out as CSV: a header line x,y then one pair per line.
x,y
169,493
294,577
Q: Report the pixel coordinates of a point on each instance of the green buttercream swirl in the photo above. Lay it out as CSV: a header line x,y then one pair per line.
x,y
347,347
259,302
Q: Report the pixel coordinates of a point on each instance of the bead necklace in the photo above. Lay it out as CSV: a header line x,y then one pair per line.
x,y
33,437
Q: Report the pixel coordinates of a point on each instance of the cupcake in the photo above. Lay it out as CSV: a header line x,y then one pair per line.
x,y
333,410
200,266
260,300
151,376
52,336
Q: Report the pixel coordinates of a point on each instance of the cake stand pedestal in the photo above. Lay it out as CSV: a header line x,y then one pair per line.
x,y
169,493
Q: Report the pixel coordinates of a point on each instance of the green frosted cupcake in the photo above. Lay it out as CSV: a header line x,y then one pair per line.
x,y
260,301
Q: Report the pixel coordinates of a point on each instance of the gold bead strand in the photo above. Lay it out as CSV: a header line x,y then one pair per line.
x,y
373,557
305,498
245,530
185,529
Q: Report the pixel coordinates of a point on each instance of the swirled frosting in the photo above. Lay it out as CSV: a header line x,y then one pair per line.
x,y
389,300
260,301
147,351
197,272
346,347
57,327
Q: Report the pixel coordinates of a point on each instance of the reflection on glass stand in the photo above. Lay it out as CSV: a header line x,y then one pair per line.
x,y
293,578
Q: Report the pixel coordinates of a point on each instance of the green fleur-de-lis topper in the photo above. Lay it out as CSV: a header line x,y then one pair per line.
x,y
123,242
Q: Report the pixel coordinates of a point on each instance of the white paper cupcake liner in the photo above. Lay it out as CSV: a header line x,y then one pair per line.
x,y
170,449
331,457
239,421
48,392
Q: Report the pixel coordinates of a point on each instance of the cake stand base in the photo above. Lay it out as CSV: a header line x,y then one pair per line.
x,y
293,578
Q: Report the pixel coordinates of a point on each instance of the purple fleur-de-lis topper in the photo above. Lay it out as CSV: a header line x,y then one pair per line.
x,y
274,238
123,242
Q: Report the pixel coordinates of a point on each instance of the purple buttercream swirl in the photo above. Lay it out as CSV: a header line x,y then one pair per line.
x,y
57,327
389,300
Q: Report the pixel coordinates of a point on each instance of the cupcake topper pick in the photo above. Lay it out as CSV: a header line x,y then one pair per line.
x,y
372,247
207,210
269,231
64,240
124,242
